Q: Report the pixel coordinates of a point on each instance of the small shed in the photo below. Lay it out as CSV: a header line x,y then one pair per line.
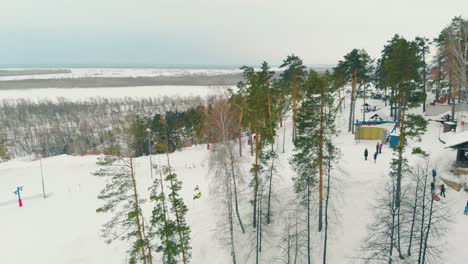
x,y
449,126
460,143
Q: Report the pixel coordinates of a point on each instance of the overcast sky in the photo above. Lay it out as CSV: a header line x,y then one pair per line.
x,y
217,32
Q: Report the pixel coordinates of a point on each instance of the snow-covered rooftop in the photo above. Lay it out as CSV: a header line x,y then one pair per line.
x,y
457,139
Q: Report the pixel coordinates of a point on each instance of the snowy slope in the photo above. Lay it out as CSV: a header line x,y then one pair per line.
x,y
64,228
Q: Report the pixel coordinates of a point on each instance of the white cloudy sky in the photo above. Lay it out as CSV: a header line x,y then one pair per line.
x,y
226,32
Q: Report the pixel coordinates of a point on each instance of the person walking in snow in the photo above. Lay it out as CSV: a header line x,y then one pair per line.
x,y
442,190
432,187
366,153
466,208
375,157
380,148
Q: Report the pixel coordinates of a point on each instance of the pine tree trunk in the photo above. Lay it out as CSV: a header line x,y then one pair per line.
x,y
353,102
392,104
256,181
250,138
423,209
231,226
257,244
427,231
289,240
296,246
136,207
260,216
321,165
240,134
350,112
385,96
269,187
326,214
272,161
294,86
400,255
284,136
308,220
392,227
415,206
424,80
400,154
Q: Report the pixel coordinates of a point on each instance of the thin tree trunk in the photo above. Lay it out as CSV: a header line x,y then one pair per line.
x,y
392,104
272,161
321,138
284,136
289,240
296,243
423,209
400,154
269,187
385,96
256,182
308,220
257,244
260,216
326,214
415,206
364,106
240,134
250,138
138,212
294,86
424,79
427,232
392,228
235,197
400,255
231,226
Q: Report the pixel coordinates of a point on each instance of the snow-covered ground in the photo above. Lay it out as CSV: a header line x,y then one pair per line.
x,y
64,228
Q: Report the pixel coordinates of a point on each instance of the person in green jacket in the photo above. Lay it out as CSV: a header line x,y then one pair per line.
x,y
197,194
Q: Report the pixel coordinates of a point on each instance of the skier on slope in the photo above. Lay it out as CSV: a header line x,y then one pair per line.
x,y
466,208
375,157
197,194
366,153
377,147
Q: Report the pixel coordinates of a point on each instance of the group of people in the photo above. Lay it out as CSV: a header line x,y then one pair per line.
x,y
378,150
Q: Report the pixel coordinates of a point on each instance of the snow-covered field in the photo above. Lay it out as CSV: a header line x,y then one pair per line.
x,y
81,73
76,94
64,228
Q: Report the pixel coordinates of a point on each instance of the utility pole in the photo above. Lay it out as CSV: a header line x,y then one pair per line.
x,y
149,148
42,178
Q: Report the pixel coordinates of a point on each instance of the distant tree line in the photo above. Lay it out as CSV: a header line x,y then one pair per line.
x,y
48,128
